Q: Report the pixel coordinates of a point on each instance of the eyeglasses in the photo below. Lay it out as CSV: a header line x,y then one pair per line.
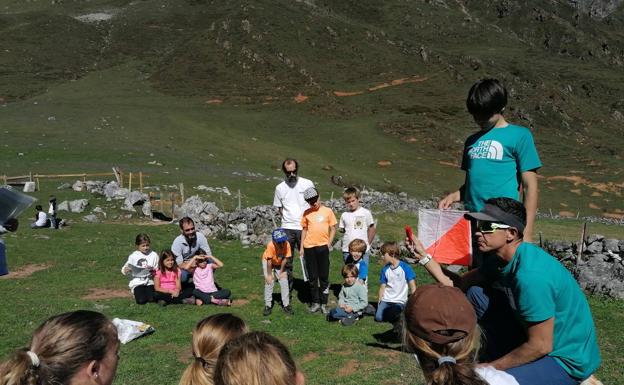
x,y
490,227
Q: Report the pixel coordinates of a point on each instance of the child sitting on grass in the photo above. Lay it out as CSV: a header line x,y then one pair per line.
x,y
357,248
274,261
397,278
203,278
256,358
141,265
167,285
209,337
352,299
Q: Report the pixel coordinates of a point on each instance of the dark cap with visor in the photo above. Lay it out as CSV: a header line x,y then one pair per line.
x,y
439,314
491,213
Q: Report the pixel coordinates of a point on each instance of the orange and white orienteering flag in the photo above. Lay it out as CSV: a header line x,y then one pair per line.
x,y
446,235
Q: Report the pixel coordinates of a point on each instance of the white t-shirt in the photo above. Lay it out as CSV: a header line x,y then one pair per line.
x,y
496,377
355,224
141,266
42,218
292,203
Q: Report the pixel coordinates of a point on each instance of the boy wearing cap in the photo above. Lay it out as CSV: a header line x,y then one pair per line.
x,y
558,344
499,159
319,229
276,262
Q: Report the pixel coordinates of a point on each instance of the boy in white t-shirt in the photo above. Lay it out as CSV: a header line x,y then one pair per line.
x,y
396,280
356,223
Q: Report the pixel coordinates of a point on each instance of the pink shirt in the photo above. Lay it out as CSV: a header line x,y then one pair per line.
x,y
204,279
168,279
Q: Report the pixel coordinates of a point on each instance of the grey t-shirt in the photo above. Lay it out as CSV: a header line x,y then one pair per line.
x,y
183,251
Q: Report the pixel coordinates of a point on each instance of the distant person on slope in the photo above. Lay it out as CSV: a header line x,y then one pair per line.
x,y
41,219
289,200
499,160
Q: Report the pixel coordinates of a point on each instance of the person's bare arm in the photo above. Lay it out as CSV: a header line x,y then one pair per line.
x,y
372,230
283,265
304,233
332,234
539,344
382,287
411,286
216,261
448,200
529,180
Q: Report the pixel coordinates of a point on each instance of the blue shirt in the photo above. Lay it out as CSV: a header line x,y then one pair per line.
x,y
494,161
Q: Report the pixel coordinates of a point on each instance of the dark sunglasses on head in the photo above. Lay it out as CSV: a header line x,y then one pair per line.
x,y
290,172
490,227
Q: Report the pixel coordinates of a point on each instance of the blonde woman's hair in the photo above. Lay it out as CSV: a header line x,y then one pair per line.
x,y
209,336
464,351
62,344
256,358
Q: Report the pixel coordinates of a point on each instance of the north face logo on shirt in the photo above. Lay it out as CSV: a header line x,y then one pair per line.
x,y
486,149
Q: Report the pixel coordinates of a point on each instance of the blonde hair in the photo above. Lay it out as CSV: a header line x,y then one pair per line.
x,y
357,245
255,358
209,337
63,344
464,351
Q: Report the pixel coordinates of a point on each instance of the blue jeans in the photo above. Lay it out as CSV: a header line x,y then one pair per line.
x,y
338,313
503,333
388,311
546,370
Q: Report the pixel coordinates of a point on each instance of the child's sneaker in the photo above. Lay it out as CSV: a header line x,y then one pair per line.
x,y
162,303
223,302
347,321
267,311
189,301
288,310
314,308
198,302
324,309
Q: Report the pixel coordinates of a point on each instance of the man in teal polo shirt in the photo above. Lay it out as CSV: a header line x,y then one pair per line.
x,y
558,343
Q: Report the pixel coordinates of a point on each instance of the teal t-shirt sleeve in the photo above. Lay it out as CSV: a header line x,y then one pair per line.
x,y
526,154
535,299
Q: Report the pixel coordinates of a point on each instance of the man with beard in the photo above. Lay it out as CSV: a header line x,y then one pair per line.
x,y
291,204
188,244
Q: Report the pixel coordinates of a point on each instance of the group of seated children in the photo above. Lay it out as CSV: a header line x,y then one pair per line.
x,y
157,279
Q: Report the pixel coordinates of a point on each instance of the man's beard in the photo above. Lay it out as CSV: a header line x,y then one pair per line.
x,y
291,181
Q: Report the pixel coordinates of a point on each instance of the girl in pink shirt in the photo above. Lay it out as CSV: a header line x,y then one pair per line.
x,y
203,278
167,285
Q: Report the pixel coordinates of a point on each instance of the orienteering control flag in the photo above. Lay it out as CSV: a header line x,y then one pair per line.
x,y
446,236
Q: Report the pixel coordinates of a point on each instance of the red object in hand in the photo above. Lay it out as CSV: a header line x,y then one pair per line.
x,y
409,233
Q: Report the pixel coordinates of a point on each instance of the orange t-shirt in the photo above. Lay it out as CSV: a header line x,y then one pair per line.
x,y
317,223
275,253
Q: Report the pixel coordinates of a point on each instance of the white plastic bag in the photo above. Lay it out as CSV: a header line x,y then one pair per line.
x,y
128,330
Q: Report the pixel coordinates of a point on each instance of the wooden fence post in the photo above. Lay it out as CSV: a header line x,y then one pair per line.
x,y
141,181
582,243
130,181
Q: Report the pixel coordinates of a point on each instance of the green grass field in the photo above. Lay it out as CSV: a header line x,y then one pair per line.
x,y
80,270
196,92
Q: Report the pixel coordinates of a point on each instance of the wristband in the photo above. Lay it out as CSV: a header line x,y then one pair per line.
x,y
425,260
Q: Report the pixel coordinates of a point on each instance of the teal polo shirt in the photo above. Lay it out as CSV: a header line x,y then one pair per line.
x,y
542,288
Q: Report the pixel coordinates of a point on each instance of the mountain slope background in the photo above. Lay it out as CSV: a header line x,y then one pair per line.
x,y
220,92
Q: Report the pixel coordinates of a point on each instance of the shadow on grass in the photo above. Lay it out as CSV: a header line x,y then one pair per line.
x,y
303,290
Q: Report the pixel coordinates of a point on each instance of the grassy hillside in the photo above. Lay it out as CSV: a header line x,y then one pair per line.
x,y
208,88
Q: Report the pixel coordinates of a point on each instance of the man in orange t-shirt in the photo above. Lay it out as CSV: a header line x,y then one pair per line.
x,y
275,261
319,228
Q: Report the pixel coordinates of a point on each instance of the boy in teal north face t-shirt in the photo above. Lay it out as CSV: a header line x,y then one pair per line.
x,y
498,158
